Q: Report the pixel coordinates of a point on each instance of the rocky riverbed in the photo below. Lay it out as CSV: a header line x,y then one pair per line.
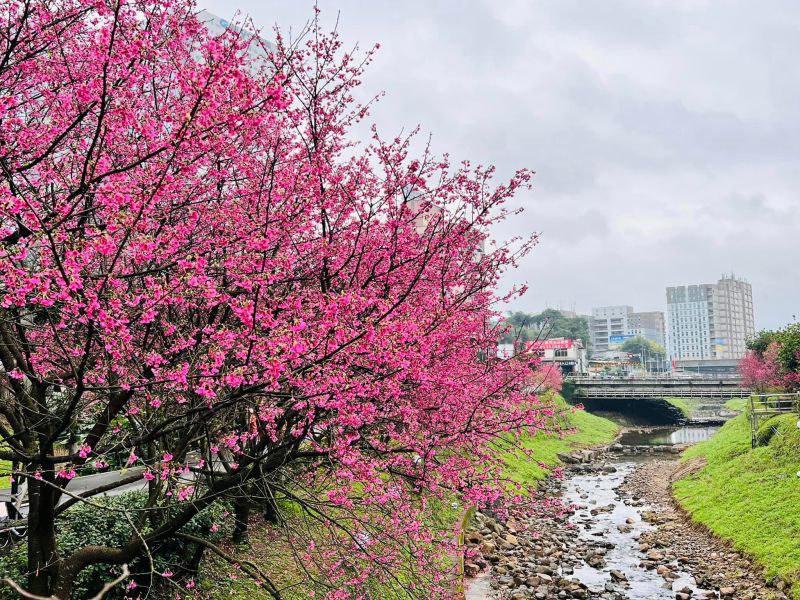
x,y
619,536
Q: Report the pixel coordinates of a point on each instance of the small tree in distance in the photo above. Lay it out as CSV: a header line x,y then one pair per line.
x,y
202,272
772,361
649,353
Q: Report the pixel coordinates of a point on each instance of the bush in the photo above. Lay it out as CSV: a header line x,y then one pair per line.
x,y
85,525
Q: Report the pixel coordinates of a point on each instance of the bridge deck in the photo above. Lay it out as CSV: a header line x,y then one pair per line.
x,y
612,393
593,387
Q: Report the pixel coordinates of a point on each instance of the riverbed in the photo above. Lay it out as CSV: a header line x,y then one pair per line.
x,y
618,537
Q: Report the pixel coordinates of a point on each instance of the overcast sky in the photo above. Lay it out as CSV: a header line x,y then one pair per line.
x,y
665,135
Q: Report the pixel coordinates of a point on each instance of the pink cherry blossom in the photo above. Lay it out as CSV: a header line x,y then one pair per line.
x,y
66,473
201,250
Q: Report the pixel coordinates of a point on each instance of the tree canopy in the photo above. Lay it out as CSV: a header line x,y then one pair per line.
x,y
549,323
773,360
203,273
640,345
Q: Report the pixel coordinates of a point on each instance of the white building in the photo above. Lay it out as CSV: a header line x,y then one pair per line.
x,y
569,355
610,326
216,26
709,321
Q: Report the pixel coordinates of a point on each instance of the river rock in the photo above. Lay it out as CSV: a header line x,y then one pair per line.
x,y
534,556
471,569
618,575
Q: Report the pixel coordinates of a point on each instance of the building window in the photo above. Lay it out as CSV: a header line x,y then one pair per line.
x,y
561,353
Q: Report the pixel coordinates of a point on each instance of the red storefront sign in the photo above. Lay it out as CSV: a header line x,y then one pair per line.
x,y
554,344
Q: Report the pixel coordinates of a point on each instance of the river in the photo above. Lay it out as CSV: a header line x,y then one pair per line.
x,y
620,540
621,526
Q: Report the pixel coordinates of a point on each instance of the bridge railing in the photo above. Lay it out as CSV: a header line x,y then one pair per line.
x,y
621,393
666,381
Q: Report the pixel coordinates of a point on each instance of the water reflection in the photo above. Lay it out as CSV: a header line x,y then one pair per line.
x,y
668,436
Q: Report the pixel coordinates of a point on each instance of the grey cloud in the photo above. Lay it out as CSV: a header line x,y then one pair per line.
x,y
665,135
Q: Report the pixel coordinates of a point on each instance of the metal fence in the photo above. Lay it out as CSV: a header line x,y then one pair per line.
x,y
677,392
704,380
764,406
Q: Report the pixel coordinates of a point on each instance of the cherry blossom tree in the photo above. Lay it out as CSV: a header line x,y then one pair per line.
x,y
201,270
760,372
773,360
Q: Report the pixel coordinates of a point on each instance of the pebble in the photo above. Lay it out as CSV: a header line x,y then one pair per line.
x,y
534,557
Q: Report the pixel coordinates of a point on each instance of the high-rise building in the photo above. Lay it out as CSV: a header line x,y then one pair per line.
x,y
649,325
610,326
608,322
710,320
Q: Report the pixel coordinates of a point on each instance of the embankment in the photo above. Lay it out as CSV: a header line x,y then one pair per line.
x,y
578,429
750,496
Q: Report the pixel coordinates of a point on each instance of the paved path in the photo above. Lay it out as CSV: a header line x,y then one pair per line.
x,y
86,483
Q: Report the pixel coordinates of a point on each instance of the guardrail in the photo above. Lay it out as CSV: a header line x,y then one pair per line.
x,y
611,393
764,406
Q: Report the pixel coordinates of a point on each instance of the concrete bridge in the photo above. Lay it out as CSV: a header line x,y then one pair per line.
x,y
648,387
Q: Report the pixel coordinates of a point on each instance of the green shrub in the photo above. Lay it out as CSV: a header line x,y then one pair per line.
x,y
568,390
85,525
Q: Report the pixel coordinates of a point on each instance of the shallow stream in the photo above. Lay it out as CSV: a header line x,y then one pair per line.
x,y
621,526
601,514
668,436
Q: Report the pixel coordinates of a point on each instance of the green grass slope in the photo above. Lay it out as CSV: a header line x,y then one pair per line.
x,y
737,404
5,469
581,430
682,404
270,550
751,496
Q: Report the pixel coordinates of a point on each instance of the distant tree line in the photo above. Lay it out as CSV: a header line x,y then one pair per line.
x,y
643,347
649,354
550,323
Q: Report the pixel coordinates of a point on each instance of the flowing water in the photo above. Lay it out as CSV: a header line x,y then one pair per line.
x,y
617,522
592,491
668,436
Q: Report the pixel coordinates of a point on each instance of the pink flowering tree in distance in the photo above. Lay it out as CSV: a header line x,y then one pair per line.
x,y
772,362
761,371
202,272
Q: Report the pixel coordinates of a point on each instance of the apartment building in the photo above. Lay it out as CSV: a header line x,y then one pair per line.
x,y
710,321
610,326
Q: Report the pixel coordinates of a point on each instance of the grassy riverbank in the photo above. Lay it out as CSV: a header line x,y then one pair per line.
x,y
737,404
581,430
5,469
751,496
682,404
270,550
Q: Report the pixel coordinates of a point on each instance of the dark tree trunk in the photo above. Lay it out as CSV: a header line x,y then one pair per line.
x,y
42,553
271,510
241,515
194,564
13,513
